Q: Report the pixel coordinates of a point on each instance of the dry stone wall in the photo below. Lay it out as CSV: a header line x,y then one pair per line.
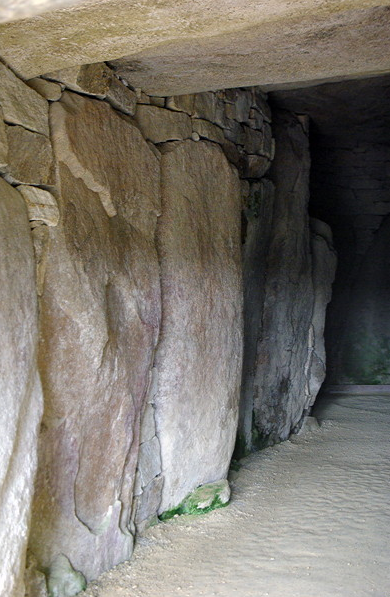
x,y
134,204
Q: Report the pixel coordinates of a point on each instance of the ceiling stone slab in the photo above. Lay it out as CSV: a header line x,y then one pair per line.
x,y
173,47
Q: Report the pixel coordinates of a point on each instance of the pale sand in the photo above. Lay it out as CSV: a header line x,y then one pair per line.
x,y
308,518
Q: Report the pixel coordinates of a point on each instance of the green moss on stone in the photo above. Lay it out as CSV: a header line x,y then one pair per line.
x,y
202,500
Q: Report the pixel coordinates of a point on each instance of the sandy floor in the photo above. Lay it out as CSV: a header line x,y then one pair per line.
x,y
308,518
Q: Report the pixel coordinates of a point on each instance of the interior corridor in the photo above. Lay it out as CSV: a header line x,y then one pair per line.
x,y
308,518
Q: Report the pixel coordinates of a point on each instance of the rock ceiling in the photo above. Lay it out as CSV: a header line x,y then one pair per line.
x,y
173,47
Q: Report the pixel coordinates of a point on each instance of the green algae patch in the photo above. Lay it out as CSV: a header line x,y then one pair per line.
x,y
202,500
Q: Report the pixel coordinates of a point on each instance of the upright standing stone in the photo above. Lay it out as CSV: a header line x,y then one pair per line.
x,y
20,389
100,317
258,216
282,352
324,261
199,354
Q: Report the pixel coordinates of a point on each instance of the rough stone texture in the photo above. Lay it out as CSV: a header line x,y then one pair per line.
x,y
47,89
181,103
203,499
148,504
199,354
3,143
100,315
149,461
20,388
21,104
159,125
41,205
30,157
208,130
258,221
22,9
182,47
255,166
148,425
324,262
282,350
98,80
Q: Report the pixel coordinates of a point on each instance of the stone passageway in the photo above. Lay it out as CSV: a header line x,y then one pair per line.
x,y
308,518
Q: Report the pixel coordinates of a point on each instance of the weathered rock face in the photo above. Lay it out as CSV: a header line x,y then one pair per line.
x,y
20,388
282,348
199,354
183,47
258,218
100,316
324,262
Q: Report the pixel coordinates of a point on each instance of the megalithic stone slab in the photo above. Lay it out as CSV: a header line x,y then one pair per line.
x,y
20,389
282,351
100,317
200,351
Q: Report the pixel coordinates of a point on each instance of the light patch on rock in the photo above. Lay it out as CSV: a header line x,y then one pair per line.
x,y
41,205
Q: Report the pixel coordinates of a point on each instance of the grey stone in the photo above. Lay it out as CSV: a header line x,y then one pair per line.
x,y
256,119
160,125
199,353
22,105
93,79
100,81
63,579
30,157
172,48
259,203
157,101
121,97
34,579
279,386
230,111
207,130
254,141
309,425
149,502
20,388
243,105
148,426
41,242
235,154
3,143
47,89
100,317
41,205
324,262
181,103
255,166
205,105
142,98
235,132
149,461
261,104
